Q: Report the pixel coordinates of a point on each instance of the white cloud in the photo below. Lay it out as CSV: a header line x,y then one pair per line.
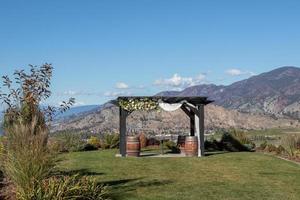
x,y
121,85
238,72
115,94
179,82
79,103
75,93
234,72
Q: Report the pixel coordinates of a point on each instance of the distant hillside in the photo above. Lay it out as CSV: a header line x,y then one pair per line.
x,y
243,104
78,110
276,93
107,119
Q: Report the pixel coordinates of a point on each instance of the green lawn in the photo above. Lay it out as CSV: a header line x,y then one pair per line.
x,y
224,176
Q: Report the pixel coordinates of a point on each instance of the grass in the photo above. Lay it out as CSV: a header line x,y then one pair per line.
x,y
273,132
227,176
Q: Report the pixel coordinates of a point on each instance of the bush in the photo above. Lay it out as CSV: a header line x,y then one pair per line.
x,y
1,145
94,141
153,142
27,160
172,146
231,143
89,147
290,144
213,145
69,187
280,150
263,145
110,141
241,136
68,142
271,148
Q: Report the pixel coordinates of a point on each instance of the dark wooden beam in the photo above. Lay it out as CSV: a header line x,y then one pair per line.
x,y
191,115
185,110
192,125
123,116
194,110
201,128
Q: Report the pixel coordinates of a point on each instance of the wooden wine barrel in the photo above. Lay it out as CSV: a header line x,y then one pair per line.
x,y
191,146
133,146
181,143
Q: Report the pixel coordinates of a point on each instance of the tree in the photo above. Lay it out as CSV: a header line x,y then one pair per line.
x,y
23,95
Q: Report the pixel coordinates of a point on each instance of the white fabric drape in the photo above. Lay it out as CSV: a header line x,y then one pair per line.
x,y
170,107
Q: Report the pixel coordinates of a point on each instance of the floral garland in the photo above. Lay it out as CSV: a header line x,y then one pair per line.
x,y
144,104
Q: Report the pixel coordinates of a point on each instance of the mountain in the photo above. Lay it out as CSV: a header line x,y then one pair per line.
x,y
268,100
275,93
75,111
107,120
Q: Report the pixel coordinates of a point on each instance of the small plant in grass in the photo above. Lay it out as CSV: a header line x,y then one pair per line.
x,y
110,141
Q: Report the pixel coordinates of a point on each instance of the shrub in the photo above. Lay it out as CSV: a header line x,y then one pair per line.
x,y
69,187
27,160
110,141
280,150
212,145
271,148
172,146
153,142
263,145
1,145
94,141
241,136
231,143
143,140
290,144
68,142
89,147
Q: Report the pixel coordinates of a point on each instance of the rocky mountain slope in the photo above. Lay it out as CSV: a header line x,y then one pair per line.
x,y
107,120
268,100
276,93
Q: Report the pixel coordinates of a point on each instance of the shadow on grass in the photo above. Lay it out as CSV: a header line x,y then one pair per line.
x,y
214,153
80,172
126,187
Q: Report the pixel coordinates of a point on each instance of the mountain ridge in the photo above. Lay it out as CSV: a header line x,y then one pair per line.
x,y
275,93
258,102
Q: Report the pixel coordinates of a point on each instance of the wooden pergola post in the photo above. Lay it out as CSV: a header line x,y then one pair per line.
x,y
123,116
201,130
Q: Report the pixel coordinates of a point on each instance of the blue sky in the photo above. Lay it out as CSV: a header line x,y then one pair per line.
x,y
101,49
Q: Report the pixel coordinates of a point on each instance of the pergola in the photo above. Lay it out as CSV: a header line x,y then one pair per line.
x,y
193,107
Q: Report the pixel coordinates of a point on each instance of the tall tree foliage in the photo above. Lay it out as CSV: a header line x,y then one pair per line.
x,y
23,94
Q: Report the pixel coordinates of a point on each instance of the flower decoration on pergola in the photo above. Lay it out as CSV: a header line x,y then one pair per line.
x,y
143,104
